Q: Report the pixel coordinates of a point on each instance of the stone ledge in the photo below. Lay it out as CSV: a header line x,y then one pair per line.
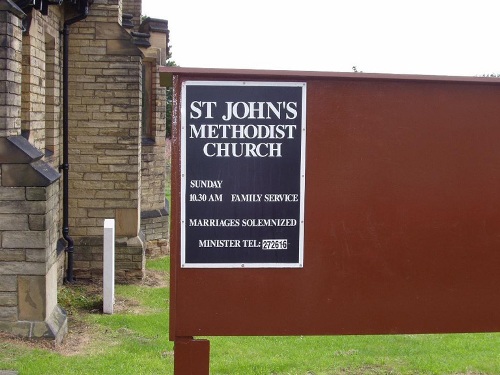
x,y
155,213
22,165
154,25
17,150
37,173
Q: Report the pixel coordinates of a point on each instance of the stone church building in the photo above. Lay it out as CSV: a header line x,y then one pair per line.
x,y
82,139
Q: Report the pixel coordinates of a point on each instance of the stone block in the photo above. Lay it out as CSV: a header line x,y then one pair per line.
x,y
31,298
86,222
127,222
89,241
11,255
82,264
95,185
94,230
128,275
37,222
51,288
92,176
12,193
82,255
14,207
129,265
36,193
112,194
100,168
8,283
96,265
22,268
8,299
91,203
124,168
8,313
112,160
78,231
123,257
14,222
26,239
36,255
122,204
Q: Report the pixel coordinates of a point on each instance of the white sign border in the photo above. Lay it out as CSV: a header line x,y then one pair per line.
x,y
300,263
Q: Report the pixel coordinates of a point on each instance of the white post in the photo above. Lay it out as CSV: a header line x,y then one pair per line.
x,y
108,269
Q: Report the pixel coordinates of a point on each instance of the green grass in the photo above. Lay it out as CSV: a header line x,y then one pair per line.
x,y
76,298
131,341
134,340
168,185
402,354
159,264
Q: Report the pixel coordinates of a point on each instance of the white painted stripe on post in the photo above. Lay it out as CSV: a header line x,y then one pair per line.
x,y
108,269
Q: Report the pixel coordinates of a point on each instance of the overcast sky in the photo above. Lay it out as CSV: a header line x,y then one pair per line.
x,y
442,37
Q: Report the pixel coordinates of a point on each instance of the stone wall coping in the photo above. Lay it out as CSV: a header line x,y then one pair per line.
x,y
17,150
155,213
10,6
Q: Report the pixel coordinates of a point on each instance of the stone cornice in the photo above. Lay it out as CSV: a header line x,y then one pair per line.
x,y
10,6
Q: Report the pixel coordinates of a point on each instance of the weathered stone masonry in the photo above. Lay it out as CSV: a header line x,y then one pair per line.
x,y
117,171
105,142
117,157
154,213
29,202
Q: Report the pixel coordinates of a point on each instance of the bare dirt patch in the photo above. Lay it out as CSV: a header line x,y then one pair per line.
x,y
78,339
368,369
156,279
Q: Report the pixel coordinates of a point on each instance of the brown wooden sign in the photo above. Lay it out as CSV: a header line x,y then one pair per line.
x,y
402,215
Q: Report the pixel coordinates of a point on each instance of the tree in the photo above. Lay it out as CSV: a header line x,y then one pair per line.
x,y
490,75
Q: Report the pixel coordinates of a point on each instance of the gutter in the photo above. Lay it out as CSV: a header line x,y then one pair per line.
x,y
64,167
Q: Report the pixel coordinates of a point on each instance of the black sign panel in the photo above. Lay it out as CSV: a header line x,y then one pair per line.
x,y
243,174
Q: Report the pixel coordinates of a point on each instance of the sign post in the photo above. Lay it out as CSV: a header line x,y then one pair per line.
x,y
108,277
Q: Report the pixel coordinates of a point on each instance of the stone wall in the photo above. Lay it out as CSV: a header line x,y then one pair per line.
x,y
10,74
134,8
41,46
29,194
154,215
28,262
113,172
105,141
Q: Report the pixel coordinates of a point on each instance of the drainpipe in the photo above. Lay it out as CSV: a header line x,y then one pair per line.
x,y
64,167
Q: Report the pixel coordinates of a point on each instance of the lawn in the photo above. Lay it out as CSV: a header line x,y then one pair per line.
x,y
134,340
